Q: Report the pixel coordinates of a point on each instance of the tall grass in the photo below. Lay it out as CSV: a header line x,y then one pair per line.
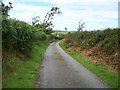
x,y
26,73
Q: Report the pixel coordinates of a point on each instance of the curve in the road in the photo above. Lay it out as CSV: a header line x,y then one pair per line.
x,y
60,70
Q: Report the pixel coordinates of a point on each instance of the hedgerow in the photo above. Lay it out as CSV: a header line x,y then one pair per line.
x,y
19,36
108,39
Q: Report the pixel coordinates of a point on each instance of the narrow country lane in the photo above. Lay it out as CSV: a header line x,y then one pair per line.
x,y
60,70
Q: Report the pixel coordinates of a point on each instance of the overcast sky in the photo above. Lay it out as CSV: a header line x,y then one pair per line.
x,y
97,14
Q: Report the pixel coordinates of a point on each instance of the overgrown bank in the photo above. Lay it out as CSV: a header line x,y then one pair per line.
x,y
23,73
23,47
102,71
101,47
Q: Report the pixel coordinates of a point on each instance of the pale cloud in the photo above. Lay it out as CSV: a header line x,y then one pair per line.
x,y
26,12
62,2
97,14
93,19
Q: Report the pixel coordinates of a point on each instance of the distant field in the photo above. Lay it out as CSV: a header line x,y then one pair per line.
x,y
59,33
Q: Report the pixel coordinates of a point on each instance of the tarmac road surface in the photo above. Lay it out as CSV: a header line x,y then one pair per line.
x,y
60,70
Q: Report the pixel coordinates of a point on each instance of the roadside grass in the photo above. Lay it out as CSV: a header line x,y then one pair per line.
x,y
25,75
102,71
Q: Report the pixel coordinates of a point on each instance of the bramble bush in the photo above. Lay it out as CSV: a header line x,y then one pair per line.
x,y
108,39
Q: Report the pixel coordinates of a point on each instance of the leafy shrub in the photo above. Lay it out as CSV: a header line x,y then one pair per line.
x,y
19,36
88,39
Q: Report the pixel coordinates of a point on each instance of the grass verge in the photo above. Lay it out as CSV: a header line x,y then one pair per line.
x,y
103,72
25,76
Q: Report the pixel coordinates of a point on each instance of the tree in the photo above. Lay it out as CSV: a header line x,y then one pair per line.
x,y
49,15
65,28
5,8
81,26
47,21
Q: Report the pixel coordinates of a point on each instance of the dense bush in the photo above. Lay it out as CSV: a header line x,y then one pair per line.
x,y
19,36
108,39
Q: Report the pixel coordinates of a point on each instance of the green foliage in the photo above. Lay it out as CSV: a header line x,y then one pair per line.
x,y
48,30
18,35
51,38
86,39
18,40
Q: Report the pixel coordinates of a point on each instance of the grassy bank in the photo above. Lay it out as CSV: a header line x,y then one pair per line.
x,y
103,72
25,71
